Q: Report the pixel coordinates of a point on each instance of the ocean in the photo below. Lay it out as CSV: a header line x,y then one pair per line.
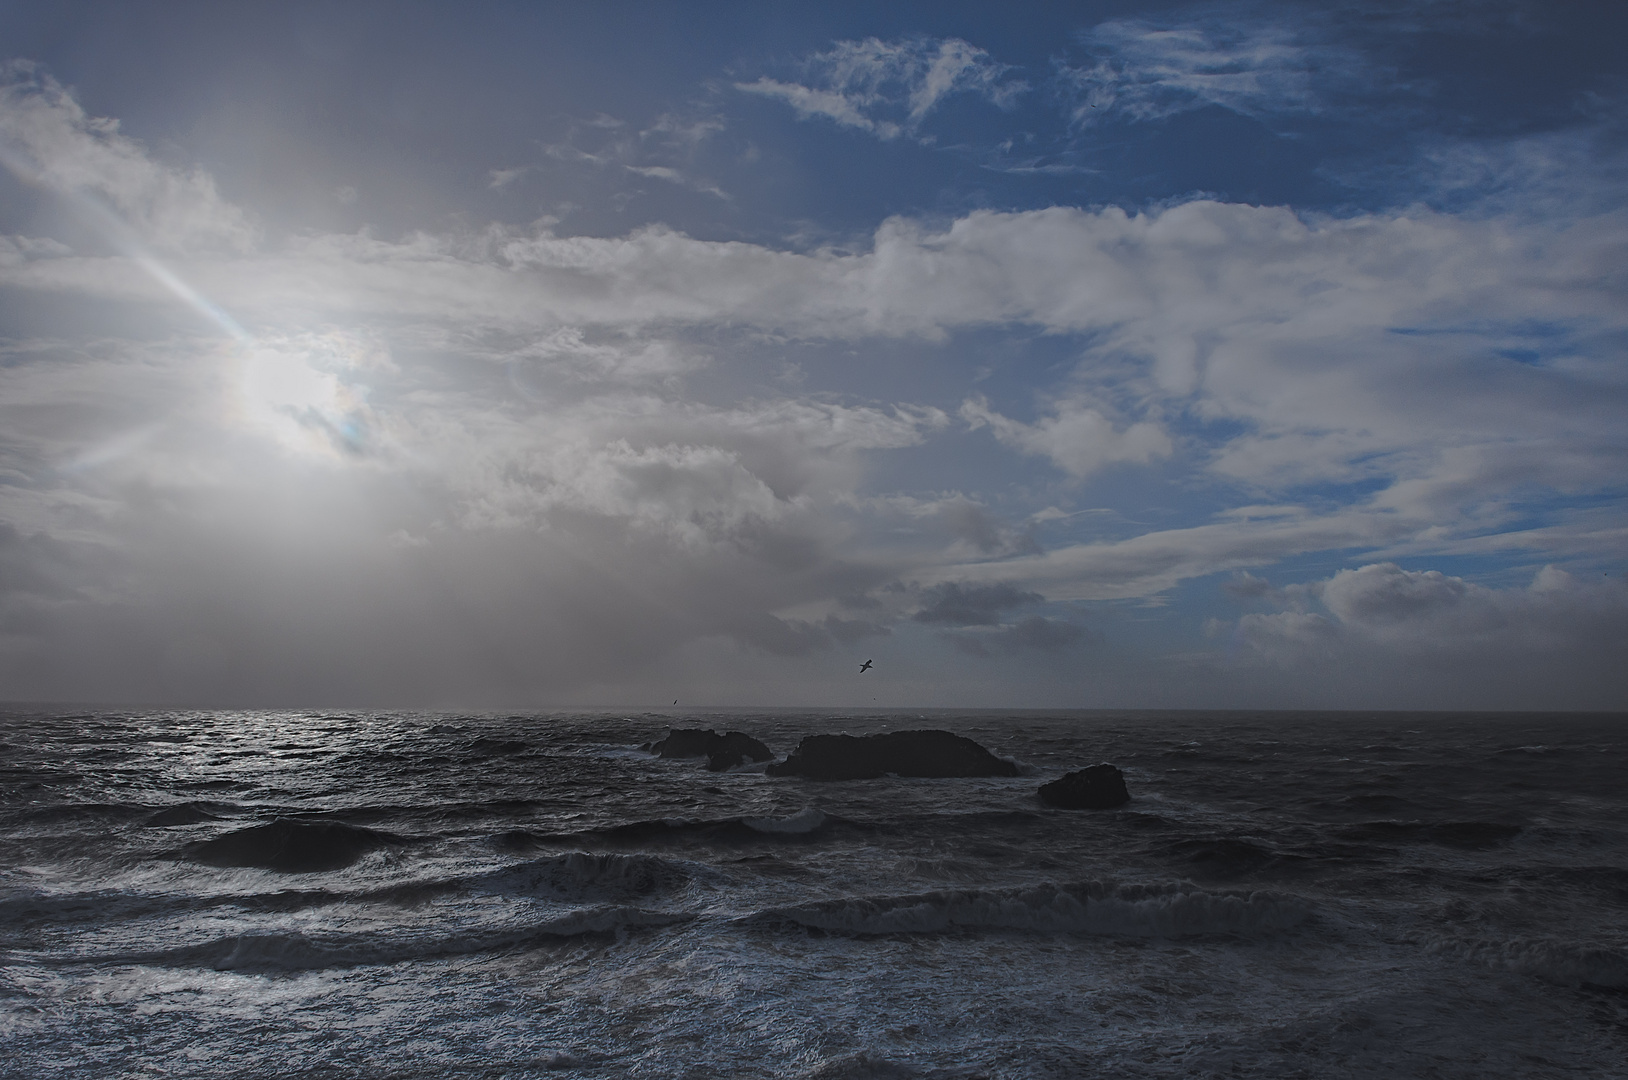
x,y
1285,895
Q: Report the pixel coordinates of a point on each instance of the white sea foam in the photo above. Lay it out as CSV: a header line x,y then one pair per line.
x,y
1159,910
1567,963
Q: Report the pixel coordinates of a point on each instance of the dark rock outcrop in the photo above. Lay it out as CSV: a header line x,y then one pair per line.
x,y
902,753
1101,787
293,847
722,752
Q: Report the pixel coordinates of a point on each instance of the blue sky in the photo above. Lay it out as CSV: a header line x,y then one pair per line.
x,y
1086,355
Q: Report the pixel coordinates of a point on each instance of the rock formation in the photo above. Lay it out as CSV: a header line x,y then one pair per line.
x,y
902,753
721,751
1100,787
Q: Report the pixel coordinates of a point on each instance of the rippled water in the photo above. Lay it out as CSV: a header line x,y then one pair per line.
x,y
1322,895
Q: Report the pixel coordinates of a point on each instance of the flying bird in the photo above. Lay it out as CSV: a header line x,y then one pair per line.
x,y
866,666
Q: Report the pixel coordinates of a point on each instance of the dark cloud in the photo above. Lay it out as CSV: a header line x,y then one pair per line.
x,y
954,604
1034,633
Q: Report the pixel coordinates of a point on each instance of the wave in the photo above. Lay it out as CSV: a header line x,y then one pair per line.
x,y
804,824
1170,910
582,876
64,813
1566,963
294,951
292,846
189,813
1457,834
575,878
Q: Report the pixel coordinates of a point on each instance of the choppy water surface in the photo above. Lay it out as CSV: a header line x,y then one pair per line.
x,y
1286,895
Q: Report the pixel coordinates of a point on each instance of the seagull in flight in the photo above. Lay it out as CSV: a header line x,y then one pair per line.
x,y
866,666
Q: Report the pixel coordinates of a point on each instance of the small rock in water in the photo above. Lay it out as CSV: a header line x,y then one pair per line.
x,y
1101,787
902,753
721,751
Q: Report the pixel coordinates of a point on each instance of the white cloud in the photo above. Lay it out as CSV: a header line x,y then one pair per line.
x,y
845,109
889,88
1078,438
47,139
1364,350
1155,561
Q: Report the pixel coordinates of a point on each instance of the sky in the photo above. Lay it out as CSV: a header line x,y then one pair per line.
x,y
1084,355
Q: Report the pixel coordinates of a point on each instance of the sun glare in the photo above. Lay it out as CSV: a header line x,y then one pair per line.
x,y
299,391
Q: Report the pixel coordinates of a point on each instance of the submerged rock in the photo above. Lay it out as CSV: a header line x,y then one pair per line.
x,y
1101,787
721,751
902,753
293,847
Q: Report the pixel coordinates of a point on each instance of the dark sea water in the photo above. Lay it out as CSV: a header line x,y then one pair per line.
x,y
1286,895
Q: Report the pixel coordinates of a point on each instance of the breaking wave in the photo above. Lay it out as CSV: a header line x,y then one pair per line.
x,y
1566,963
295,951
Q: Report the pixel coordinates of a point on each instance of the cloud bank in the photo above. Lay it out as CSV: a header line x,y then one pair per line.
x,y
498,462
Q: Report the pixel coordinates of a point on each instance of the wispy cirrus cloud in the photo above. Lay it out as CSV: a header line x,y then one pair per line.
x,y
1150,71
889,88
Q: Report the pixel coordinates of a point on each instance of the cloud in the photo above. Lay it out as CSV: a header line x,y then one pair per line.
x,y
1029,635
957,604
889,88
1294,350
1077,438
666,150
1149,72
522,453
1384,610
47,139
1246,586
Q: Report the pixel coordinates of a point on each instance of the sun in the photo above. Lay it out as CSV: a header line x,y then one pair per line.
x,y
300,391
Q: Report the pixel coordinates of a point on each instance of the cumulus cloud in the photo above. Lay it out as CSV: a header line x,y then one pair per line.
x,y
889,88
1383,636
1424,623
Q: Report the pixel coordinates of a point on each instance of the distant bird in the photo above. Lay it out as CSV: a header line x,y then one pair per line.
x,y
675,701
866,666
